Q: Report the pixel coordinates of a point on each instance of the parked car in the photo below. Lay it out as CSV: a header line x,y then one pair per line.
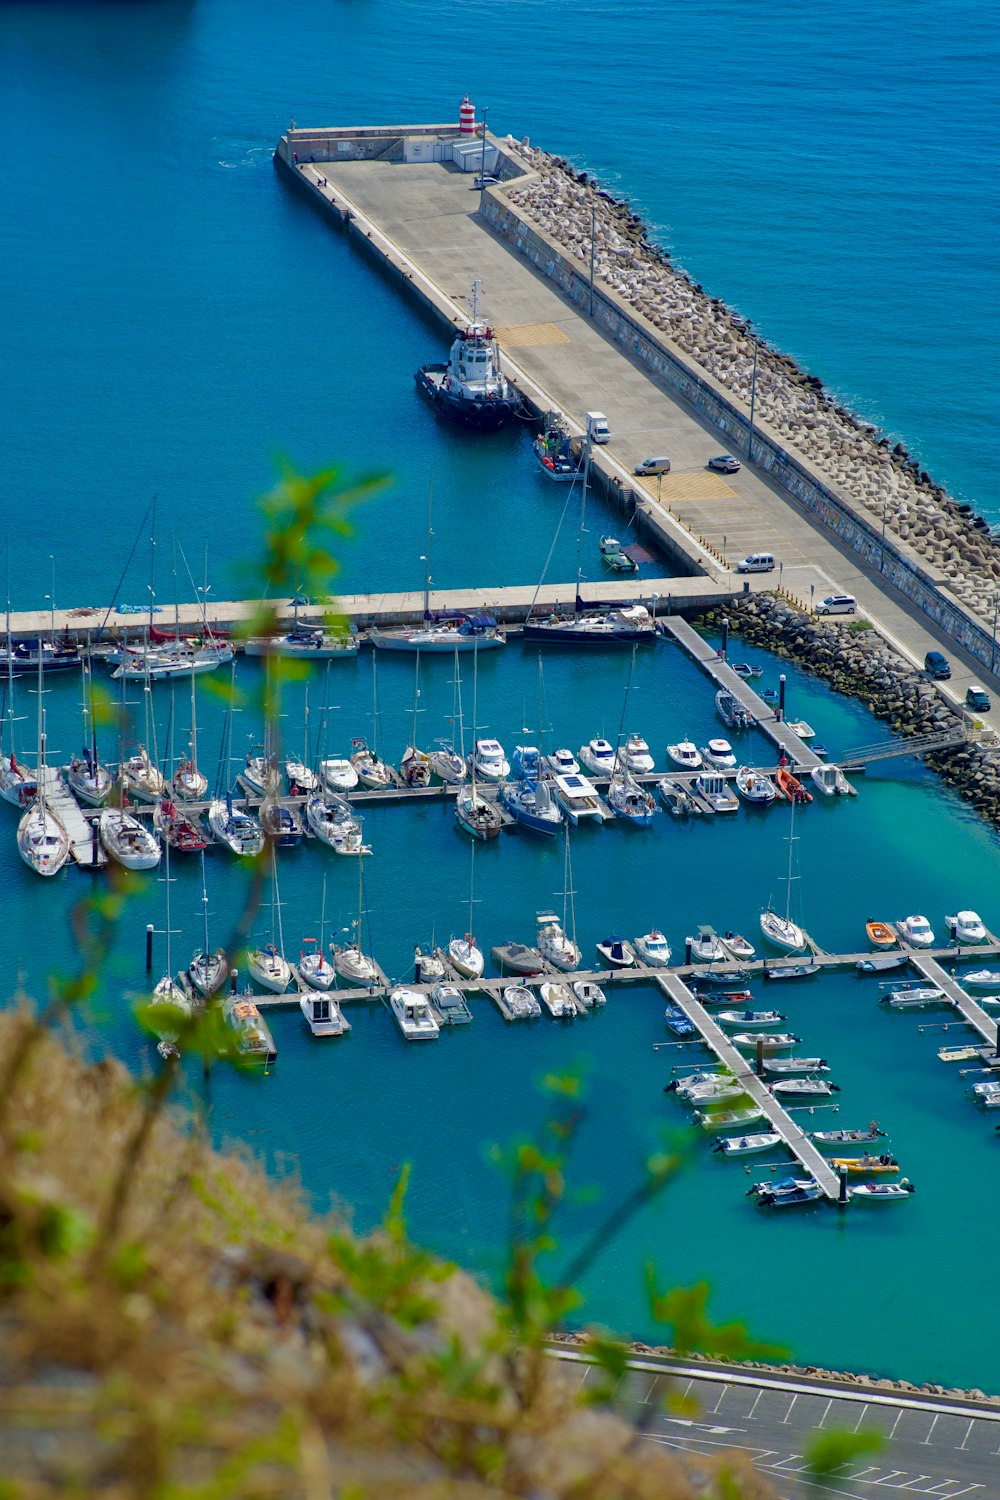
x,y
484,182
725,463
757,562
652,466
978,698
936,665
837,604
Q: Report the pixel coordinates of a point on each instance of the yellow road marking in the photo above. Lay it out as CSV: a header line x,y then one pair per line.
x,y
700,485
530,335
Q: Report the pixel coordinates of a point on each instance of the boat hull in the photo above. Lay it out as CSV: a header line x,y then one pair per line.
x,y
487,415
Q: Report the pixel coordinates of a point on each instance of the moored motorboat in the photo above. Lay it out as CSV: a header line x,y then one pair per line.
x,y
831,781
737,946
802,728
706,947
322,1013
617,953
882,1192
563,763
598,755
879,963
557,999
746,671
775,970
719,755
755,787
451,1005
789,1192
652,949
747,1145
914,996
558,454
521,1002
677,799
733,713
967,927
722,1119
127,840
880,934
680,1024
885,1164
251,1033
517,958
471,388
717,792
916,931
685,754
803,1088
771,1041
829,1138
790,1065
577,797
981,979
634,755
790,786
335,774
614,556
589,994
750,1018
413,1014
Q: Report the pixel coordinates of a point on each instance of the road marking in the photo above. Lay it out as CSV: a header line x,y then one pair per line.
x,y
756,1404
927,1439
864,1413
702,1426
530,335
968,1430
788,1413
826,1413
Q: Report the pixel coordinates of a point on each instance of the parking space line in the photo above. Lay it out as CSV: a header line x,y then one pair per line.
x,y
972,1423
892,1429
927,1439
788,1413
826,1413
864,1413
755,1404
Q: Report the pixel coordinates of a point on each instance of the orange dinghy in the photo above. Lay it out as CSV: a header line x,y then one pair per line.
x,y
880,935
790,786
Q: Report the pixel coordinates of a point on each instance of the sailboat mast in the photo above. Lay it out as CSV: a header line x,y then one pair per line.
x,y
204,903
475,712
427,559
621,724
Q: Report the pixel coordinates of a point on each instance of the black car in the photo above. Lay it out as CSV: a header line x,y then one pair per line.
x,y
936,666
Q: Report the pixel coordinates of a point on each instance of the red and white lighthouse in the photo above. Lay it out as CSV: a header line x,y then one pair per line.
x,y
466,117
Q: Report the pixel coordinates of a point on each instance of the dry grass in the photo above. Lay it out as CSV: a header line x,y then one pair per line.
x,y
226,1342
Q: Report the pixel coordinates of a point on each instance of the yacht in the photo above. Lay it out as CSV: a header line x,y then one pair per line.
x,y
351,963
686,755
577,797
635,756
141,778
207,972
916,931
477,815
446,763
415,767
489,761
719,755
314,966
428,965
967,927
782,932
599,757
653,949
617,953
308,644
531,804
373,773
553,943
471,388
177,830
322,1012
188,783
335,775
466,957
270,969
127,840
88,779
463,633
831,781
236,828
413,1015
630,800
43,842
563,763
706,948
630,622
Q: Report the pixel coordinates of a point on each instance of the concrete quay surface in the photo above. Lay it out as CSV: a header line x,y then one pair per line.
x,y
420,221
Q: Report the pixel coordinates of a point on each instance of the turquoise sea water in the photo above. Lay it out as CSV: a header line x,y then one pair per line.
x,y
174,318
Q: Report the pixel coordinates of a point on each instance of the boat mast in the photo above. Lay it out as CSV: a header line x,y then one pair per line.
x,y
427,559
578,602
475,721
618,766
568,892
477,287
204,904
276,902
791,847
472,887
9,705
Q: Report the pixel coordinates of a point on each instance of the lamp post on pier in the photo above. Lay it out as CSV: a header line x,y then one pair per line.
x,y
482,162
593,236
753,398
993,648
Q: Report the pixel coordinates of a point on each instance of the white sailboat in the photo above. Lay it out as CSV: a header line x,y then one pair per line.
x,y
301,776
208,968
42,841
89,780
554,941
314,967
780,930
478,816
189,783
171,1006
463,952
348,958
415,766
18,785
447,763
268,964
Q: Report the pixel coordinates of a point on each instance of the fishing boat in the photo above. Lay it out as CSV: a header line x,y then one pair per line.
x,y
717,792
234,827
787,1066
981,979
803,1088
737,946
176,829
577,796
251,1033
780,930
789,1192
617,953
879,963
747,1145
771,1041
563,763
722,1119
531,804
598,756
413,1014
832,782
631,801
554,944
678,1022
308,643
732,712
635,756
916,931
589,994
880,934
322,1013
558,1000
614,556
582,627
556,453
652,949
127,840
967,927
914,997
719,755
791,787
884,1164
706,947
521,1002
677,799
882,1192
846,1137
450,1004
685,754
751,1019
517,958
471,388
755,787
774,970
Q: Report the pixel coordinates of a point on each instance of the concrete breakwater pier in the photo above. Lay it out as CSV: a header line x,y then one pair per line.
x,y
832,500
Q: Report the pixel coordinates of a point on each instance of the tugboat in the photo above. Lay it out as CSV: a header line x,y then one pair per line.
x,y
471,388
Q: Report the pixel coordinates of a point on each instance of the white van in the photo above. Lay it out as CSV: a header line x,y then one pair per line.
x,y
837,604
597,427
757,562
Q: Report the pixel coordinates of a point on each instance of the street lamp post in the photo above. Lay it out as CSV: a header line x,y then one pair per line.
x,y
593,235
482,162
753,398
724,563
993,648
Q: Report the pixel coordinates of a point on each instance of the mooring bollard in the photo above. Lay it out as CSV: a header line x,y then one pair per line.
x,y
149,947
842,1199
760,1057
234,975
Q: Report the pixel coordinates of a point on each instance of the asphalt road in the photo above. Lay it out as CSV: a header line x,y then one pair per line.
x,y
934,1446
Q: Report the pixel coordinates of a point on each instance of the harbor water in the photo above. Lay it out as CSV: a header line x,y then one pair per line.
x,y
177,319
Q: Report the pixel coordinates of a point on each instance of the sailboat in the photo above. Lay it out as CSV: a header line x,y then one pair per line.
x,y
268,964
171,1005
207,969
42,841
332,820
139,773
415,766
18,785
463,954
348,959
554,942
234,827
779,930
627,797
126,839
88,779
301,776
373,773
314,968
478,816
188,782
447,763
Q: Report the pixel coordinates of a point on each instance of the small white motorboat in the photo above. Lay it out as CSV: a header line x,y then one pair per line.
x,y
447,765
916,931
718,754
786,1193
466,957
791,1065
966,927
986,1095
882,1192
751,1019
878,963
270,968
352,964
706,948
804,730
652,949
599,757
127,840
721,1119
589,994
755,787
635,757
563,763
413,1015
451,1005
737,946
747,1145
617,953
914,996
771,1041
782,932
489,761
831,781
521,1002
322,1013
685,754
557,999
716,1091
803,1088
981,979
717,792
336,775
554,944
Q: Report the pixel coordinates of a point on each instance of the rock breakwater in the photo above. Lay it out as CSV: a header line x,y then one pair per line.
x,y
853,457
860,664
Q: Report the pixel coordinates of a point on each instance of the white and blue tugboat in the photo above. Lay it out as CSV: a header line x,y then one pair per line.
x,y
471,388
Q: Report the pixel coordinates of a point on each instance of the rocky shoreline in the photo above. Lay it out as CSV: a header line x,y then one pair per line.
x,y
859,462
860,664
